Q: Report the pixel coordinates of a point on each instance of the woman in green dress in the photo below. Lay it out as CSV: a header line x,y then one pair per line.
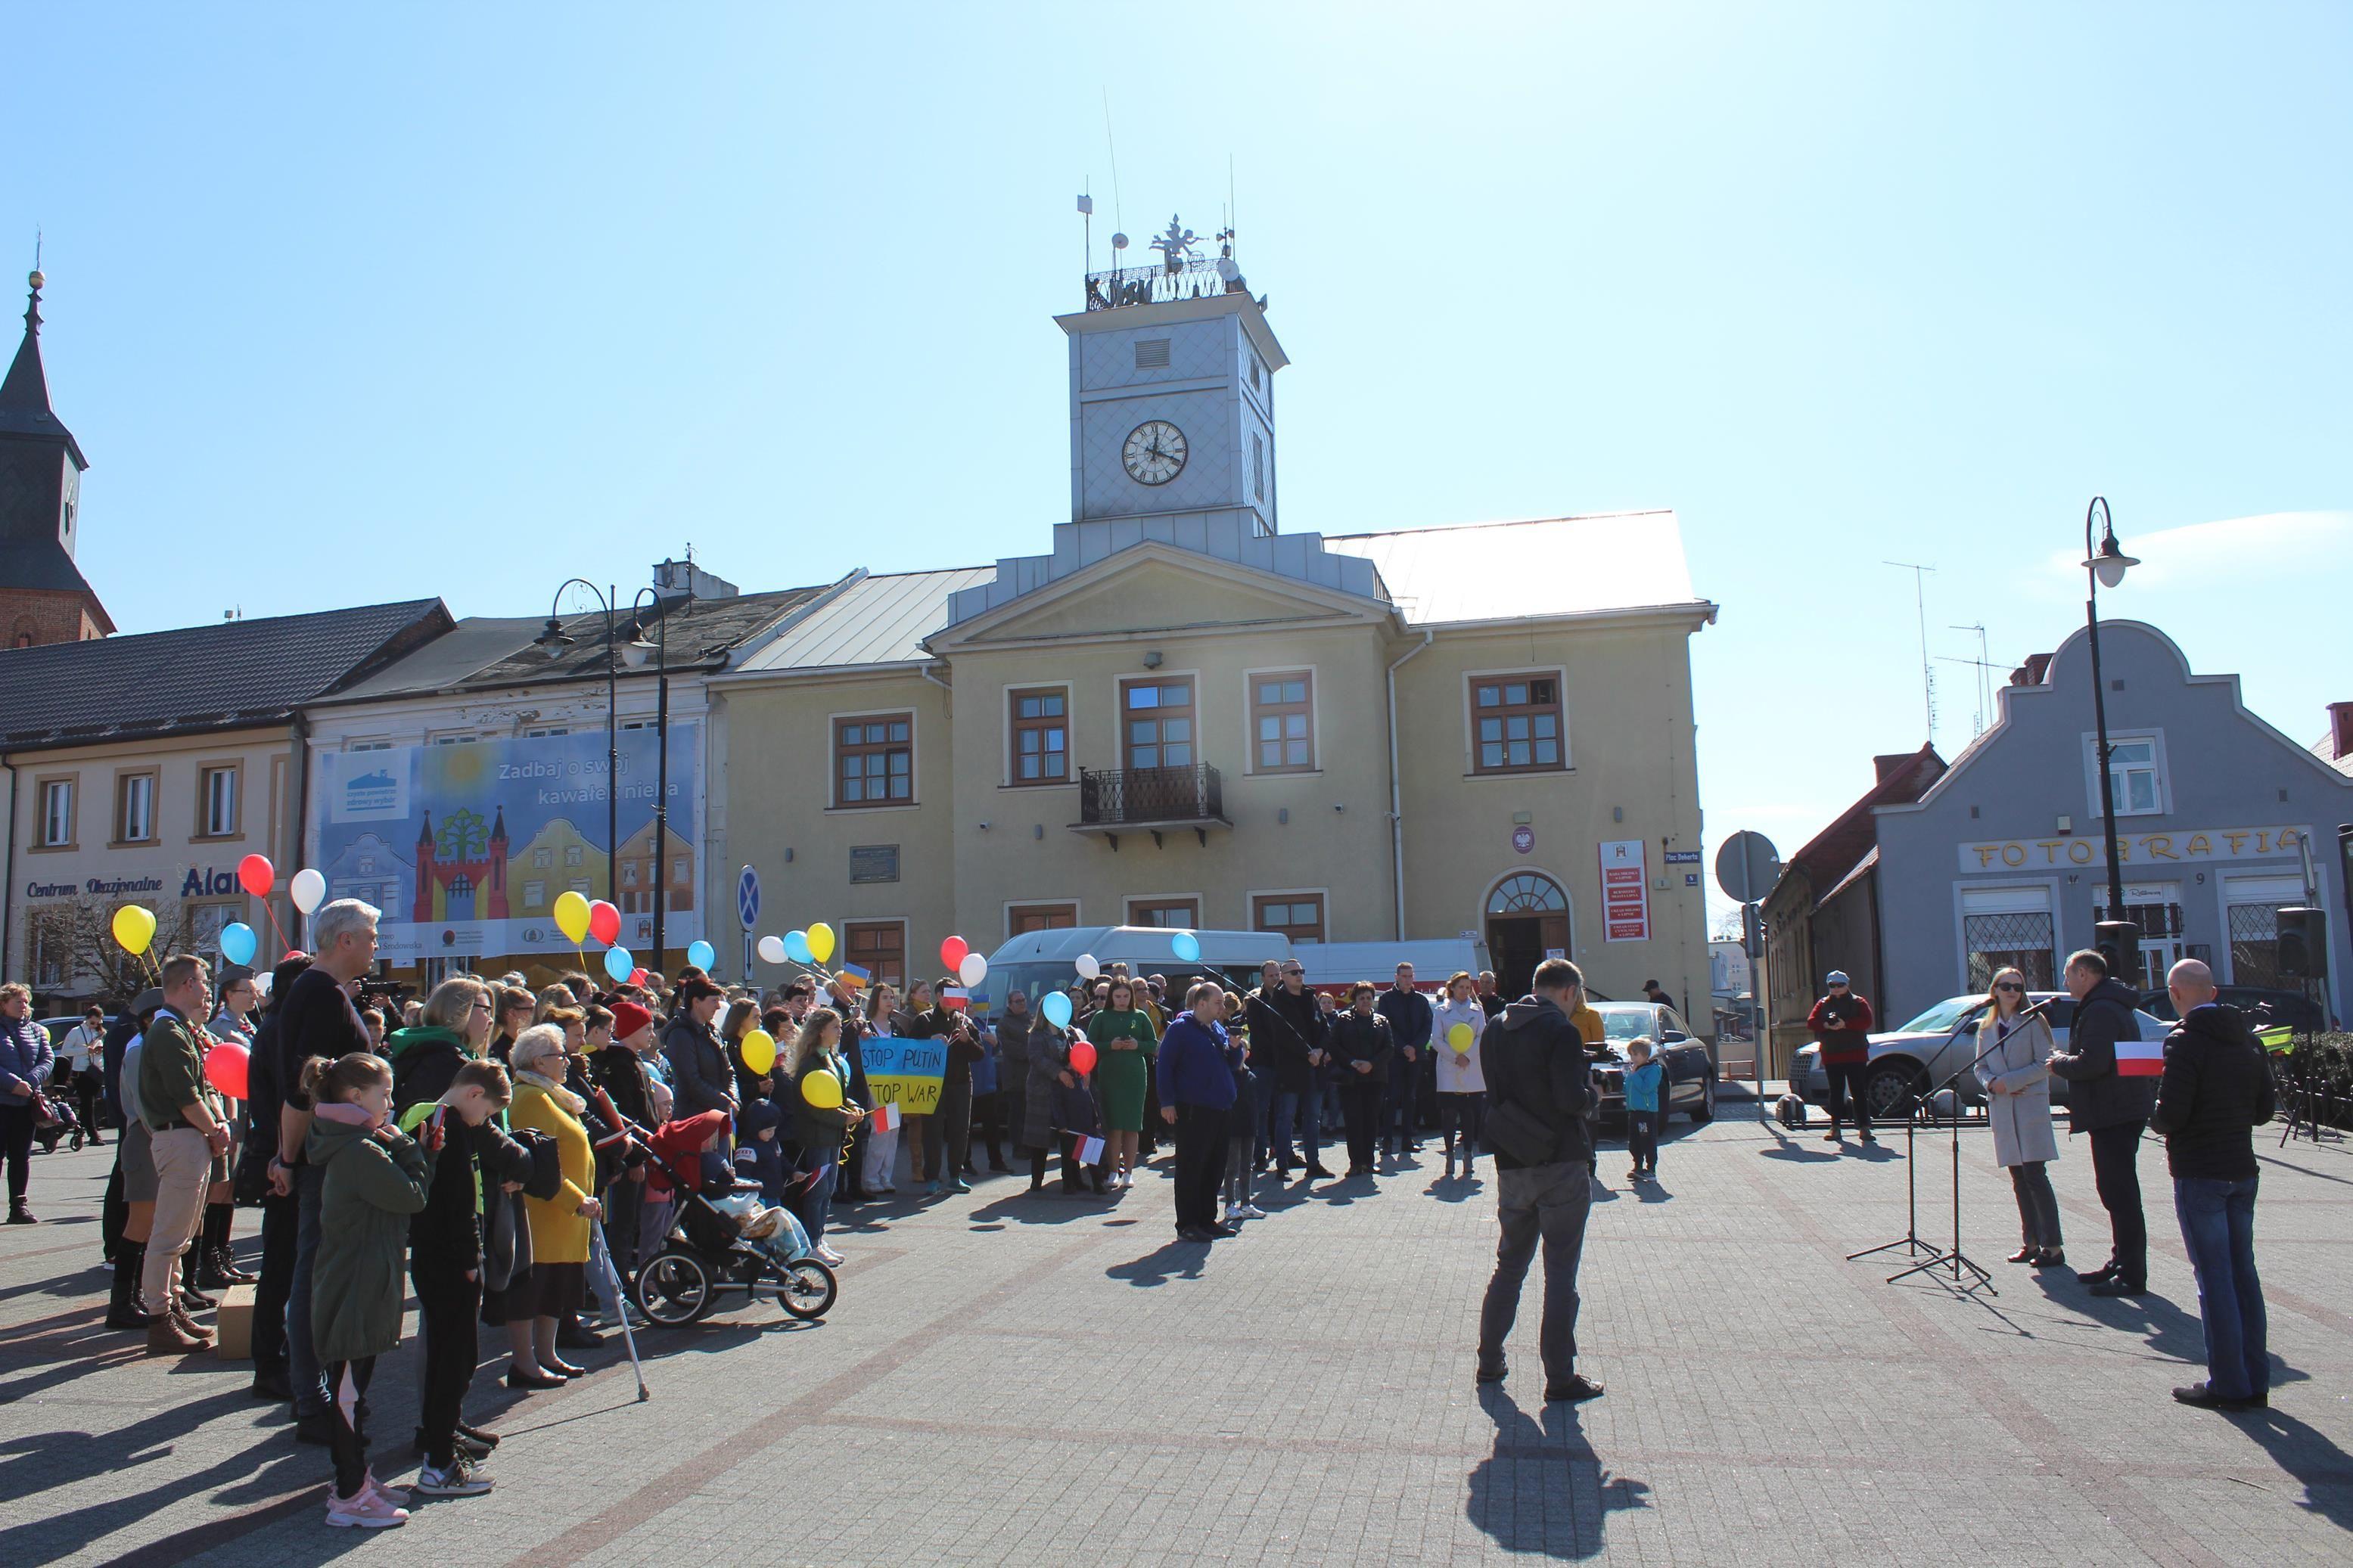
x,y
1124,1046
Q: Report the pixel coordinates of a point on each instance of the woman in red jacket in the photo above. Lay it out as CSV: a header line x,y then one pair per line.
x,y
1841,1022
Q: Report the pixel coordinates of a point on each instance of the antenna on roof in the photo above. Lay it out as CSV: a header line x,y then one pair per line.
x,y
1984,677
1920,606
1118,214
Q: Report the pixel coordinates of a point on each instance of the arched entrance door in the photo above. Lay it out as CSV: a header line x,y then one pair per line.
x,y
1527,919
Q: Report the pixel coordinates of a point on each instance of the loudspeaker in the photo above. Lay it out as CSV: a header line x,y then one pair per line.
x,y
2303,944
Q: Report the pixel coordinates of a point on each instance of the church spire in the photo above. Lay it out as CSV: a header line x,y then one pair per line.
x,y
25,393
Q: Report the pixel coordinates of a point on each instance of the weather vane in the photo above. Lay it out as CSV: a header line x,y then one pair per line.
x,y
1176,246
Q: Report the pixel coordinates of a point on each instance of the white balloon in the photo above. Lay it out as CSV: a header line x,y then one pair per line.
x,y
771,949
1087,967
310,890
972,970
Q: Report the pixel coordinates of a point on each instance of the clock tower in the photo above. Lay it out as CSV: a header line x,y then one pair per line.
x,y
1172,393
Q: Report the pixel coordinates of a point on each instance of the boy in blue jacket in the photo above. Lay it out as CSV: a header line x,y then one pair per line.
x,y
1646,1116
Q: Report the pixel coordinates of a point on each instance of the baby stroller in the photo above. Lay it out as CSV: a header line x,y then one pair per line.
x,y
708,1255
54,1121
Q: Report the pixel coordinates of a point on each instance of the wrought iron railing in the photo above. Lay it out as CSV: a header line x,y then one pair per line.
x,y
1114,796
1195,278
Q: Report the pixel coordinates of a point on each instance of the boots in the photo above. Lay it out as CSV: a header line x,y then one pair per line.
x,y
217,1270
167,1335
190,1298
19,1214
122,1310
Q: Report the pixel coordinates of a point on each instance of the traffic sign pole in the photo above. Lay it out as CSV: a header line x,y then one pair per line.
x,y
1747,866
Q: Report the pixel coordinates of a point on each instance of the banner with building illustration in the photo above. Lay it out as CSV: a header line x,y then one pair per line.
x,y
466,848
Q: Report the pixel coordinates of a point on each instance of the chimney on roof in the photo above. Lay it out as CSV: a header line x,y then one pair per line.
x,y
2031,672
685,580
2340,730
1890,767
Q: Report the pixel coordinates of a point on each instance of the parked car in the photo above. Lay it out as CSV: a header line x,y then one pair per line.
x,y
1691,1072
1910,1061
2264,1007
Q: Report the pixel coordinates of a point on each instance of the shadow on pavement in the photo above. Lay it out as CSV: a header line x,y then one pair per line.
x,y
1048,1206
1543,1490
2162,1326
1170,1260
2326,1469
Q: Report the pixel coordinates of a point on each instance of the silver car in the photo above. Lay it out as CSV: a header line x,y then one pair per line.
x,y
1912,1060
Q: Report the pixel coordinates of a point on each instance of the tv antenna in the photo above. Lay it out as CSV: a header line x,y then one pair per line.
x,y
1920,608
1985,668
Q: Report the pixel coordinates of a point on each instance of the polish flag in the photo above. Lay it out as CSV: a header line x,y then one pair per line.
x,y
886,1117
1086,1151
955,998
2140,1058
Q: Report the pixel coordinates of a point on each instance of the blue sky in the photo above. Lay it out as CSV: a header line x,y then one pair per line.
x,y
461,300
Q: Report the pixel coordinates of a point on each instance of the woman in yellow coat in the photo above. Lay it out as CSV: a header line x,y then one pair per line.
x,y
559,1226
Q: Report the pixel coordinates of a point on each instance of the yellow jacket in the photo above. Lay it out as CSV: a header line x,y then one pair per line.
x,y
558,1232
1588,1020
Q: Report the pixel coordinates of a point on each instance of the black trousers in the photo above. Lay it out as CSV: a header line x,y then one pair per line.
x,y
280,1218
988,1126
2117,1174
947,1131
448,1307
1465,1114
89,1095
1200,1165
1847,1077
1361,1096
17,1143
114,1209
1643,1129
347,1383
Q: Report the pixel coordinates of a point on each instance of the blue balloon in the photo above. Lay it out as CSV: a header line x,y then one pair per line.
x,y
1186,946
238,942
797,947
1057,1009
702,954
619,964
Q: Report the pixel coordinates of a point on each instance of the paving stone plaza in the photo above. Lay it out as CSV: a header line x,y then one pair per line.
x,y
1010,1379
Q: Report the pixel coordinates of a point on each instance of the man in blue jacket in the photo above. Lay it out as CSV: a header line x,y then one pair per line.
x,y
1197,1090
1409,1016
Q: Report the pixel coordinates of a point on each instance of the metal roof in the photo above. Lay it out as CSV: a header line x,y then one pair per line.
x,y
224,675
878,620
1540,566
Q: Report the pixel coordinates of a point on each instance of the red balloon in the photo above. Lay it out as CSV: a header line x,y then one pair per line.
x,y
637,977
225,1065
1082,1056
256,876
604,922
952,954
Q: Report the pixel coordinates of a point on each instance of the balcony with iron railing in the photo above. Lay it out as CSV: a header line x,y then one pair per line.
x,y
1113,801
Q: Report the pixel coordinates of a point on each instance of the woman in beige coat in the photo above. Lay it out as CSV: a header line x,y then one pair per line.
x,y
2013,1066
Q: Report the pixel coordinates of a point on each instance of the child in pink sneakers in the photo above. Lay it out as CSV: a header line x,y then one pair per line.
x,y
376,1178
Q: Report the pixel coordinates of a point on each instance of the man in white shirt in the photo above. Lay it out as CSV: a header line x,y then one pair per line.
x,y
84,1051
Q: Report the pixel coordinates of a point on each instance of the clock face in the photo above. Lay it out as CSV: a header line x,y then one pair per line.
x,y
1153,452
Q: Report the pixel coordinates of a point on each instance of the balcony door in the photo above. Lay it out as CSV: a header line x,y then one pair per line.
x,y
1156,724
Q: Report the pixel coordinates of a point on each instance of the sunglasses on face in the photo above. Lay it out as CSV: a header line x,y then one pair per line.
x,y
2008,986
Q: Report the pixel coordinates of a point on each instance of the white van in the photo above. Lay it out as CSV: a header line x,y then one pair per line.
x,y
1049,960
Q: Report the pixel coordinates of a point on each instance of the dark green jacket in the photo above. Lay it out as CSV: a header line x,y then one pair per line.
x,y
371,1188
171,1071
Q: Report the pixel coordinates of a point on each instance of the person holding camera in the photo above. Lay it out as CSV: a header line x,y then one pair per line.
x,y
1841,1022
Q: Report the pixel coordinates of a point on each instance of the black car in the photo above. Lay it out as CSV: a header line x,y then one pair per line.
x,y
2264,1006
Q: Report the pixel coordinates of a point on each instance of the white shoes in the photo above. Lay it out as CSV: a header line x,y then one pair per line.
x,y
826,1256
1250,1211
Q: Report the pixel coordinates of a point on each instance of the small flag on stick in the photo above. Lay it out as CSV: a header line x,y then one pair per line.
x,y
955,998
850,974
2140,1058
1086,1151
886,1118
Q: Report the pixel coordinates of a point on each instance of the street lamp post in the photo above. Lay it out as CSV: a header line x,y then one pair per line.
x,y
635,650
2106,563
555,639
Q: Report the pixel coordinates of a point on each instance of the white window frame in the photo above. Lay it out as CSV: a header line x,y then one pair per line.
x,y
208,775
122,793
1321,895
1471,680
2156,739
1314,768
912,713
371,744
51,837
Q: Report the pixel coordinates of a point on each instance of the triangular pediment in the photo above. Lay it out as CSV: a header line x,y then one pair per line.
x,y
1155,587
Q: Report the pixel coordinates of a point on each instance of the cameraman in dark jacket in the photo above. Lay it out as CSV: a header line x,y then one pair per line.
x,y
2217,1089
2113,1108
1286,1031
1539,1090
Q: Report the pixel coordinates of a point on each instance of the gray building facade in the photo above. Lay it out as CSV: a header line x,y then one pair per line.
x,y
2223,820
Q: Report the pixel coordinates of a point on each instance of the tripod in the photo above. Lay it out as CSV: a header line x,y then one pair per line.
x,y
1955,1259
1910,1241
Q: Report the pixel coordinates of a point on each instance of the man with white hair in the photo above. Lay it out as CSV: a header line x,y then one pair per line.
x,y
316,1019
2217,1088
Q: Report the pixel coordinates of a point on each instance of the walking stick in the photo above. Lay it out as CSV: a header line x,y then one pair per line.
x,y
620,1306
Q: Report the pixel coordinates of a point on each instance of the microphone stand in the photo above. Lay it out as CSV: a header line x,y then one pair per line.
x,y
1955,1259
1910,1241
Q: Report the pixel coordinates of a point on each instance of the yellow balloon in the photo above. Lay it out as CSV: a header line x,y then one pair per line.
x,y
572,916
135,928
820,941
759,1051
1460,1037
822,1090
